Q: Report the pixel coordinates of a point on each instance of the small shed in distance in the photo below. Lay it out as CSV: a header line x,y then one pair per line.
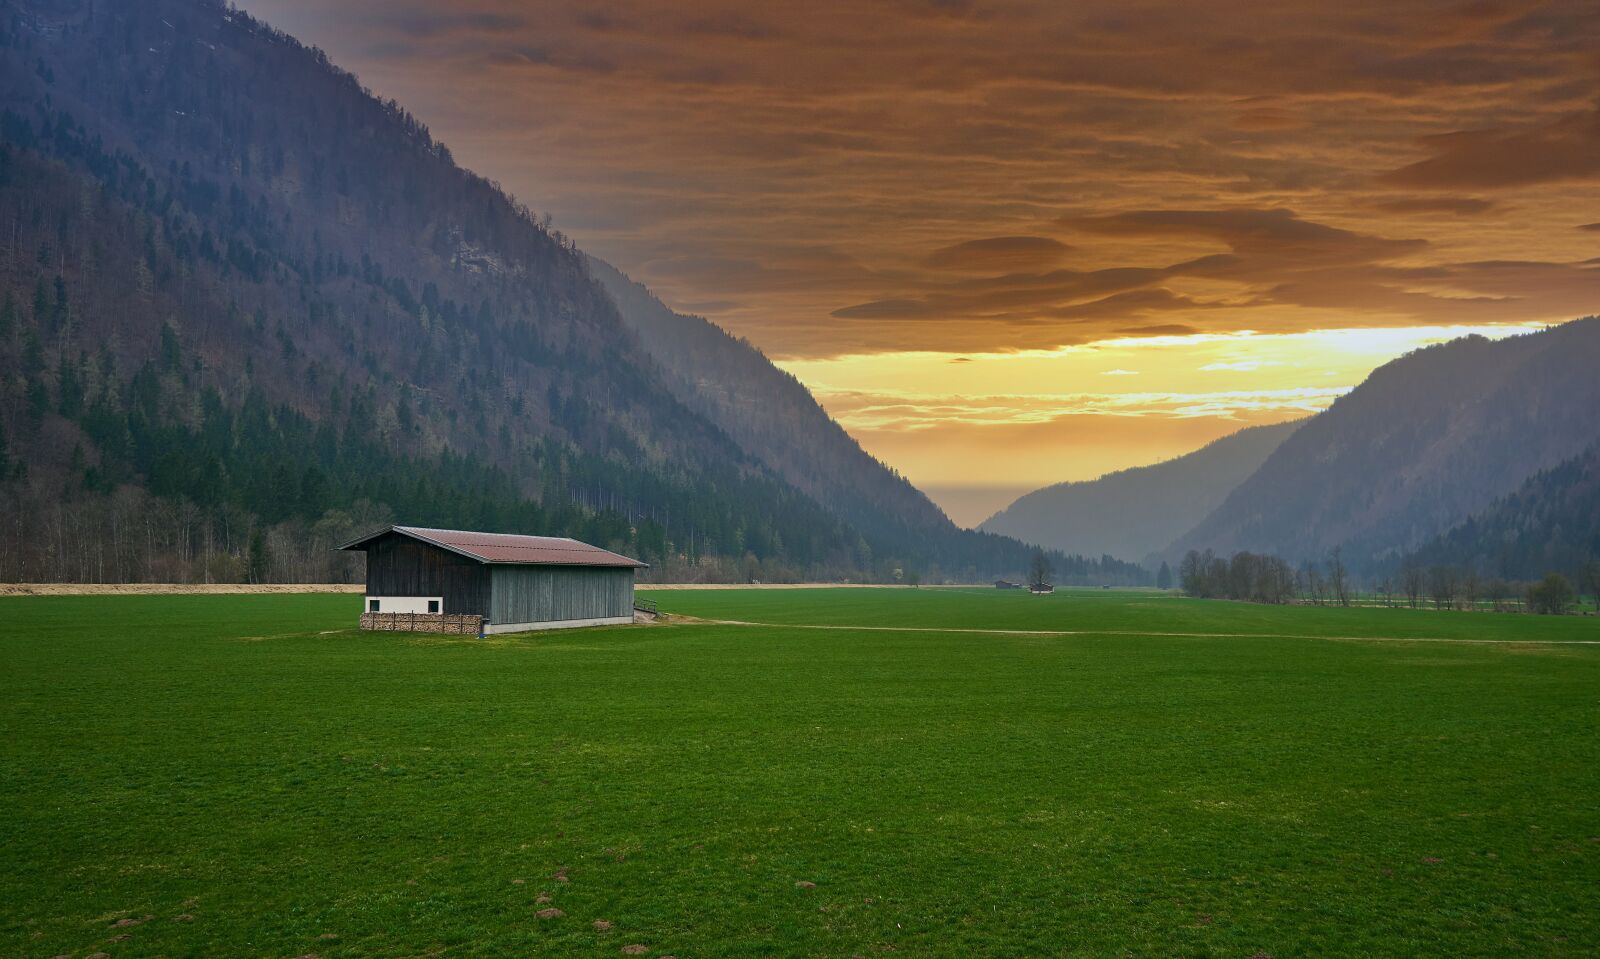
x,y
513,582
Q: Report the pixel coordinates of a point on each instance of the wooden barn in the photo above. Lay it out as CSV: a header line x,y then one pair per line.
x,y
512,583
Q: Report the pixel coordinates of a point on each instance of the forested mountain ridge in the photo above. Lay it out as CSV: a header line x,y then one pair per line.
x,y
1551,523
1135,512
247,308
237,313
1425,442
767,411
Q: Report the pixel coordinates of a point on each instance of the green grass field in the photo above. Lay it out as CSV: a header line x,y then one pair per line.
x,y
1160,777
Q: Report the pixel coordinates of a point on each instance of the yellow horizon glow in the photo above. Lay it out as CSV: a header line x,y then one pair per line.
x,y
1029,418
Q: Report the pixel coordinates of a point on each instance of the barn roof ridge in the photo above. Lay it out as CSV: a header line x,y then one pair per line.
x,y
506,548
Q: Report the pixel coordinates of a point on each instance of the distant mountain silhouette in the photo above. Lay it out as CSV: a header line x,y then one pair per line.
x,y
1425,442
1133,513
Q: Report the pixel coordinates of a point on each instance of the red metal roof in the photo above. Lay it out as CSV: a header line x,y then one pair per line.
x,y
508,547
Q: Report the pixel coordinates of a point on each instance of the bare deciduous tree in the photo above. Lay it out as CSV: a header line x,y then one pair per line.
x,y
1444,584
1386,589
1550,596
1039,570
1470,587
1411,582
1338,578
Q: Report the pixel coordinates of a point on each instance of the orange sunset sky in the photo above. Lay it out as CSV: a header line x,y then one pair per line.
x,y
1008,244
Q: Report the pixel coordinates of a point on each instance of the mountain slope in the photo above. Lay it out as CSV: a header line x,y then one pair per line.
x,y
226,248
1426,441
248,307
766,411
1551,523
1135,512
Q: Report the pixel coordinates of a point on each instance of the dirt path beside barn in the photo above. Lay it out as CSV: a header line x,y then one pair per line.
x,y
164,589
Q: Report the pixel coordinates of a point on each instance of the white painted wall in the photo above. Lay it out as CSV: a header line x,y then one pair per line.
x,y
401,604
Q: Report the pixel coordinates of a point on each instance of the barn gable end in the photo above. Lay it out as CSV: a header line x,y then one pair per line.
x,y
400,566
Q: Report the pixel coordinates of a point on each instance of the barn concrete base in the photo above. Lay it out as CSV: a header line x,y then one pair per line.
x,y
490,628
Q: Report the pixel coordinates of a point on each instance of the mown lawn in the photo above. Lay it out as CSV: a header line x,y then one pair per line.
x,y
294,787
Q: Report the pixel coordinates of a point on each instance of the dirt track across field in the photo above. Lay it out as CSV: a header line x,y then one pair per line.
x,y
162,589
1142,633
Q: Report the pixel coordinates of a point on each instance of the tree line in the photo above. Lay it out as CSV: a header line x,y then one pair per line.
x,y
1263,578
1452,586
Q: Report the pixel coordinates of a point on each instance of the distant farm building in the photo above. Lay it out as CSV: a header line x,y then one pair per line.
x,y
1039,589
457,581
1006,584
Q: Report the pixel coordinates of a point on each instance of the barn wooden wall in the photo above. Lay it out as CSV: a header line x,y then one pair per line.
x,y
542,594
401,566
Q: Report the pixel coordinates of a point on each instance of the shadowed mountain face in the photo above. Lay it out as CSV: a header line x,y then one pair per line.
x,y
1135,512
240,289
1425,442
768,412
244,283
